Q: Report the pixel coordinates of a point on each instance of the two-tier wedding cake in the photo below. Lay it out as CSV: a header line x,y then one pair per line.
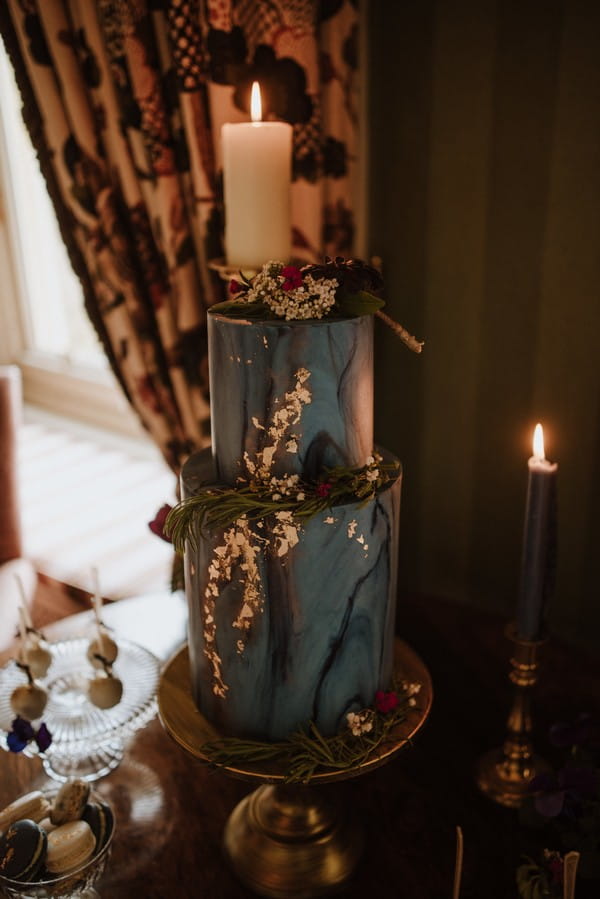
x,y
291,520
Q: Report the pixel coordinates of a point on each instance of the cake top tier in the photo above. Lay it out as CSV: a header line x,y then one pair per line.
x,y
289,398
291,370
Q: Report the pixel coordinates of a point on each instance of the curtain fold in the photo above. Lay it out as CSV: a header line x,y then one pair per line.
x,y
124,102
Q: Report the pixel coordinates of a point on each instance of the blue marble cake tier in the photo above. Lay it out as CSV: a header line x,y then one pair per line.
x,y
291,624
290,397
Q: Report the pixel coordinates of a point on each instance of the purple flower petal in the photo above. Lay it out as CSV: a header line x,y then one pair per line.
x,y
23,729
43,738
546,781
550,804
566,733
15,743
584,732
157,525
583,781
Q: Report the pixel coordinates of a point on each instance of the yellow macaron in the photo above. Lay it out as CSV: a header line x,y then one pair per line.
x,y
69,846
33,806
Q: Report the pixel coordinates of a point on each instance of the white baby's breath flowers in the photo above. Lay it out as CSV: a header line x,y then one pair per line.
x,y
302,297
411,690
372,471
360,722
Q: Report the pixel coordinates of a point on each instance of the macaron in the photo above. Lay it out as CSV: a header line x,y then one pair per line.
x,y
101,820
105,692
33,805
70,801
69,846
22,850
47,825
28,701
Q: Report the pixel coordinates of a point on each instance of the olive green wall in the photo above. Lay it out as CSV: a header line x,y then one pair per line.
x,y
484,141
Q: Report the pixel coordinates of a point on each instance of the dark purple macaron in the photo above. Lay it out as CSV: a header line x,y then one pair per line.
x,y
100,818
22,850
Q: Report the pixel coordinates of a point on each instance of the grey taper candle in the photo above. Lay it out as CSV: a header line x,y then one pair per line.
x,y
539,543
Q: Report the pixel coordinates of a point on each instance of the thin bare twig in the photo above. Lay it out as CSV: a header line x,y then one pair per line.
x,y
411,342
458,863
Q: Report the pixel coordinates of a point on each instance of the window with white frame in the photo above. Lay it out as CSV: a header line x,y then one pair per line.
x,y
43,325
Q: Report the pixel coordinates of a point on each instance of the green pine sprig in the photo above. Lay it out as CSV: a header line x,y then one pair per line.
x,y
307,752
220,506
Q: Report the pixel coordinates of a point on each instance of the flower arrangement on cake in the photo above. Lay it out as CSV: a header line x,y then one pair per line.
x,y
336,288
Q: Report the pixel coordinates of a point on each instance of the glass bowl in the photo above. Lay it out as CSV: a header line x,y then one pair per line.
x,y
76,884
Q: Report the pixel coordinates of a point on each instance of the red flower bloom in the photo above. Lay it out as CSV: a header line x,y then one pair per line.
x,y
293,277
324,489
385,702
234,286
556,868
157,525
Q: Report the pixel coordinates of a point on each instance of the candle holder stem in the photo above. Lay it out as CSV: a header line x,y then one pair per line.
x,y
504,774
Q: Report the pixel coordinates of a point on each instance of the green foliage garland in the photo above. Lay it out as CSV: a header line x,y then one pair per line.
x,y
307,753
219,507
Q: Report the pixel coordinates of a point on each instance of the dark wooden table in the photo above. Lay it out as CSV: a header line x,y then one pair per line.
x,y
171,810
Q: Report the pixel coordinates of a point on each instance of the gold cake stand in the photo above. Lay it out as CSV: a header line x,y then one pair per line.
x,y
286,841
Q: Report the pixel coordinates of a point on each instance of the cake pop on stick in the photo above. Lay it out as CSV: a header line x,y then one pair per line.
x,y
28,700
32,653
105,690
24,605
31,631
103,649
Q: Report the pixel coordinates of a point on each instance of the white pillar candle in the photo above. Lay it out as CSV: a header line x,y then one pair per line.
x,y
256,182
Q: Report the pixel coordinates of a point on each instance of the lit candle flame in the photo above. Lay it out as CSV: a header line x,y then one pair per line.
x,y
255,103
538,443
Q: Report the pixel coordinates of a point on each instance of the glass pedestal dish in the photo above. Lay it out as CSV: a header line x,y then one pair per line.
x,y
87,742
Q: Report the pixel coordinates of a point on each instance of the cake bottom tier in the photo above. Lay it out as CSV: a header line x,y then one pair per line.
x,y
291,624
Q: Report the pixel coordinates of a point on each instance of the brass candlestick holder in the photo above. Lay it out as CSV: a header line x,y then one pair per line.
x,y
504,774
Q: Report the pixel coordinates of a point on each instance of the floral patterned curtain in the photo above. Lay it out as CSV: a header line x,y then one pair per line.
x,y
124,100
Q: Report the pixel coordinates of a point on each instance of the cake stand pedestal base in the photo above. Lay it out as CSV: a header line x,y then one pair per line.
x,y
286,842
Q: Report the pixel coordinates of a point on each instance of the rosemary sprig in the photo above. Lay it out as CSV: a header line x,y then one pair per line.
x,y
220,506
307,752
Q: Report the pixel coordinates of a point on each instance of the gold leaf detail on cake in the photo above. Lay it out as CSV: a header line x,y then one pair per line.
x,y
289,413
238,550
